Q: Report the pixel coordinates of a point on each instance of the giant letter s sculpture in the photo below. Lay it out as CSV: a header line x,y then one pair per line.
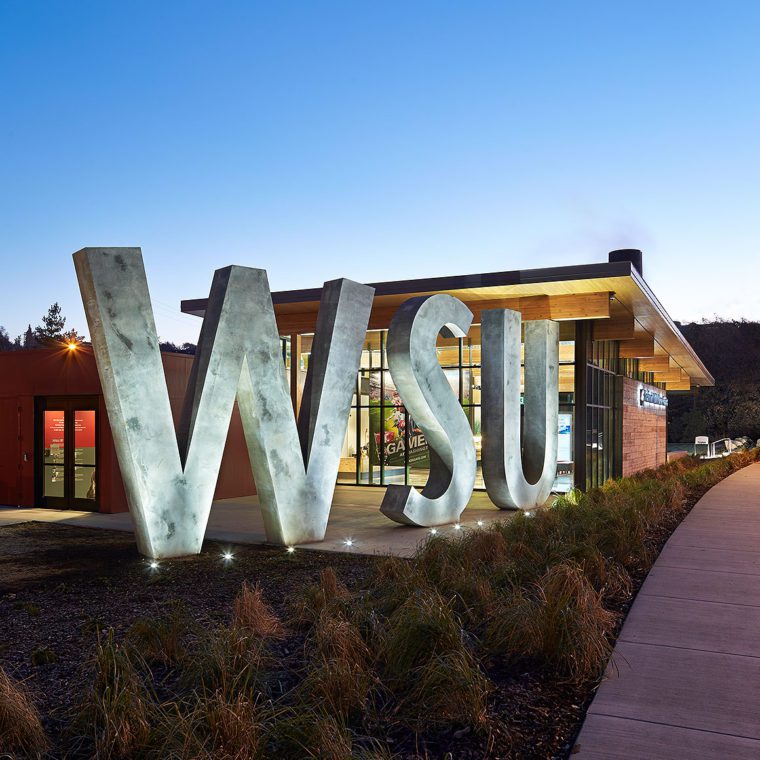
x,y
519,475
427,395
170,477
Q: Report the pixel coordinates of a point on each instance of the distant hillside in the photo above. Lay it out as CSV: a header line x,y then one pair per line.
x,y
731,351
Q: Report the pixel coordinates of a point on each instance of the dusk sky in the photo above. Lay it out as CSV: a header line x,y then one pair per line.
x,y
378,141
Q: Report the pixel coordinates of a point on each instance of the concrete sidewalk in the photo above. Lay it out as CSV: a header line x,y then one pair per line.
x,y
355,515
684,681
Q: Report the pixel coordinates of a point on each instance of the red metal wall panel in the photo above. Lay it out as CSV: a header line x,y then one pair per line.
x,y
10,452
59,372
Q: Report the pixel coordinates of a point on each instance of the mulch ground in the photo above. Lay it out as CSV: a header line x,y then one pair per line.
x,y
60,584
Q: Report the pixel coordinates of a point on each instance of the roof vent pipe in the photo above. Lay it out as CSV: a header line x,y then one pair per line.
x,y
628,254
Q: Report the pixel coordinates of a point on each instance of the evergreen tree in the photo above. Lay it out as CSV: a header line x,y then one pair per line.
x,y
30,341
6,344
52,324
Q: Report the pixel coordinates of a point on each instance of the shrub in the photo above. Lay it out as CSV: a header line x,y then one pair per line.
x,y
233,726
304,732
252,614
447,689
340,675
29,607
329,593
115,715
160,639
227,660
559,621
212,727
429,667
20,726
92,625
43,656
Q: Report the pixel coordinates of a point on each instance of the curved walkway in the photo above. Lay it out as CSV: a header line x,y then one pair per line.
x,y
684,681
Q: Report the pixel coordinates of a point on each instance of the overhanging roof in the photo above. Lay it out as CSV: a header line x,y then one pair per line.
x,y
629,292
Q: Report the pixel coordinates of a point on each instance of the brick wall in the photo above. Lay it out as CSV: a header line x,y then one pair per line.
x,y
644,430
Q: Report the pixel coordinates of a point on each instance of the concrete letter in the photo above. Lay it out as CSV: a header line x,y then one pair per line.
x,y
170,477
295,497
427,395
519,475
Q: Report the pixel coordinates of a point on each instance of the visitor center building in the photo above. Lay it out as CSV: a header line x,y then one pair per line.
x,y
620,355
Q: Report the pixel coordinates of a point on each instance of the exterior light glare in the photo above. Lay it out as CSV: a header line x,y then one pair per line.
x,y
349,542
290,549
433,531
71,346
153,565
457,526
227,556
480,523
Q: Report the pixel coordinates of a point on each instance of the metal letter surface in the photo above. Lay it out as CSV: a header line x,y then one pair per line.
x,y
170,477
514,479
428,397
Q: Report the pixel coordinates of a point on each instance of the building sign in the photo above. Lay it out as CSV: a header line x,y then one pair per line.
x,y
649,396
55,432
388,421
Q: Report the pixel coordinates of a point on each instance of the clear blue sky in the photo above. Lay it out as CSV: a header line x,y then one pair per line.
x,y
378,141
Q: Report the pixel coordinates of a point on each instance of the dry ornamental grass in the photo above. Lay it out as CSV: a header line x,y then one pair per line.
x,y
446,652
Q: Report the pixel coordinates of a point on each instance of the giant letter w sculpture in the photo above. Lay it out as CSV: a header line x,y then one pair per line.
x,y
170,477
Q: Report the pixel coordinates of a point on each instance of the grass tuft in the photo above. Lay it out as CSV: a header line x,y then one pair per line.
x,y
43,656
302,733
329,593
252,614
30,608
160,639
115,715
21,729
227,660
340,676
430,667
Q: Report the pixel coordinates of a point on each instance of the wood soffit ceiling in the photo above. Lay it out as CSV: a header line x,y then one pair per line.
x,y
632,304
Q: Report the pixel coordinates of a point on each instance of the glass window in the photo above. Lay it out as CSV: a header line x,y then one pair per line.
x,y
601,457
387,445
84,454
54,453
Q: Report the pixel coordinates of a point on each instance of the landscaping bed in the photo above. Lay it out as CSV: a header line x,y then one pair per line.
x,y
487,645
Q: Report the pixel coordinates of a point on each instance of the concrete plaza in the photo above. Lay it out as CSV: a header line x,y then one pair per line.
x,y
354,517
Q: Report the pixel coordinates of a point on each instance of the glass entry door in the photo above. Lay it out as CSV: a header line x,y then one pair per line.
x,y
67,452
